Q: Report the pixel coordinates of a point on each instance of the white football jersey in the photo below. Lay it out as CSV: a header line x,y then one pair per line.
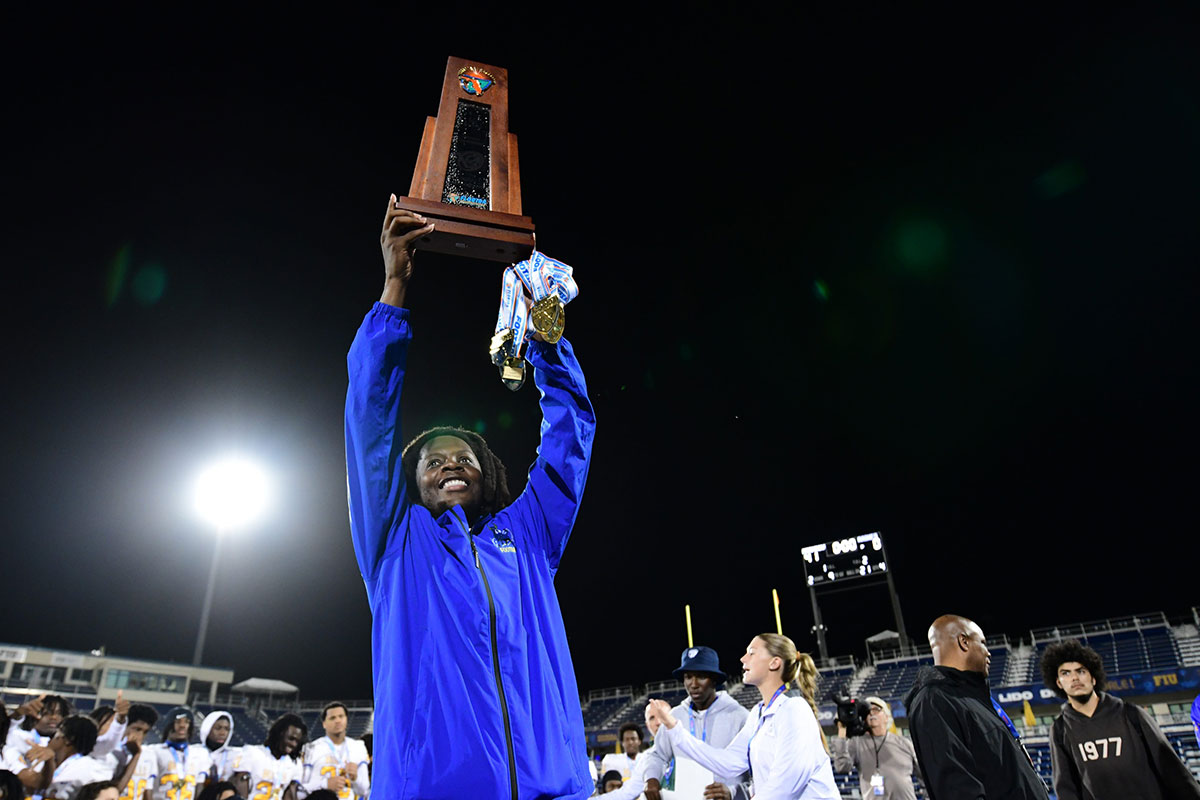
x,y
144,773
223,761
269,776
620,762
74,773
323,760
180,771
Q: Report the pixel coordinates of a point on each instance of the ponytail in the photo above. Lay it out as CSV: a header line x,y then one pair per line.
x,y
808,687
798,667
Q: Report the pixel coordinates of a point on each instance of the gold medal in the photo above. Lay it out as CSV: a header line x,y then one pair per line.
x,y
546,316
556,330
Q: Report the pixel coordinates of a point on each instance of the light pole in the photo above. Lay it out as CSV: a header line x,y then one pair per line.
x,y
230,494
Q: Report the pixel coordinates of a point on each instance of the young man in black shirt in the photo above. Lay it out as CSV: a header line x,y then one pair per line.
x,y
1102,747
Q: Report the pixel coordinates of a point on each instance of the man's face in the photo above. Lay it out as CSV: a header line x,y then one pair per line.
x,y
52,716
291,740
611,786
877,720
701,687
136,732
108,793
180,728
631,743
219,732
978,656
1075,680
448,475
335,721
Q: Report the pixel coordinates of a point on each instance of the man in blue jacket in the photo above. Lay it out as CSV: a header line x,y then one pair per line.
x,y
475,694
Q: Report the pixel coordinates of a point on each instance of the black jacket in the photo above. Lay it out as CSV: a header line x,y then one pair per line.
x,y
1118,752
964,749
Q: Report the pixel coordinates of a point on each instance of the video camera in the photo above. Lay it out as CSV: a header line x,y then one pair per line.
x,y
851,713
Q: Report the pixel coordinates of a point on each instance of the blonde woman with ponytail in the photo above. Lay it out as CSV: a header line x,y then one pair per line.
x,y
781,743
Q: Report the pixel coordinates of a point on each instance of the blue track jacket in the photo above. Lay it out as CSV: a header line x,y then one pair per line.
x,y
439,704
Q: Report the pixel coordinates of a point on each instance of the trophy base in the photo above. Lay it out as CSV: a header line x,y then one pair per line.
x,y
471,232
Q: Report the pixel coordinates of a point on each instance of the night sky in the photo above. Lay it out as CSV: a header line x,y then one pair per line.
x,y
929,273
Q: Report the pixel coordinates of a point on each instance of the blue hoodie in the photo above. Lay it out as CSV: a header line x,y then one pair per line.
x,y
475,694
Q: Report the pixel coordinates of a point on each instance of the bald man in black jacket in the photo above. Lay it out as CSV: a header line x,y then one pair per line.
x,y
965,749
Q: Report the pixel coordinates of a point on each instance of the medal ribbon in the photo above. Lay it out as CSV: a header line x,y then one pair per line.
x,y
544,276
513,315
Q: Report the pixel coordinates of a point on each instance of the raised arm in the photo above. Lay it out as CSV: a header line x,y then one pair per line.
x,y
557,477
375,366
726,763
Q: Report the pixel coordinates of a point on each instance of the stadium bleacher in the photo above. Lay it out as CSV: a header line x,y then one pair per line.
x,y
1126,644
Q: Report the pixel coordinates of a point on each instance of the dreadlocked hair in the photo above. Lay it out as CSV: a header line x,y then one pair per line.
x,y
49,702
279,729
495,476
1060,653
798,667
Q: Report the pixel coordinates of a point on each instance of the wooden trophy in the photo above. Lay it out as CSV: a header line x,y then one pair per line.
x,y
467,181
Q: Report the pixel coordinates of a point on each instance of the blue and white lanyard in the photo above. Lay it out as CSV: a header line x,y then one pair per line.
x,y
762,710
1008,723
180,763
341,756
692,725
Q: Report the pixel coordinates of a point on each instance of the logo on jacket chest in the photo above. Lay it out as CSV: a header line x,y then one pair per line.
x,y
502,538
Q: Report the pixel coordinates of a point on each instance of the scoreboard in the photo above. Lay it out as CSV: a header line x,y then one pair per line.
x,y
844,559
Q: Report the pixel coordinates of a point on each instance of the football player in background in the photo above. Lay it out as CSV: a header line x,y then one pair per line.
x,y
215,731
336,761
182,766
273,769
134,768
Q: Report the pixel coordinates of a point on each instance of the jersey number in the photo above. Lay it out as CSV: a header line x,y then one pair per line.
x,y
333,771
135,790
1094,751
263,790
179,789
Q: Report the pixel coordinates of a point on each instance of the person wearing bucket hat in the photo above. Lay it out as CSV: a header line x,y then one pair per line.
x,y
710,715
886,761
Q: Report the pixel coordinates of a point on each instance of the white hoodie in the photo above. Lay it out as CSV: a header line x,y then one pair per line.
x,y
225,756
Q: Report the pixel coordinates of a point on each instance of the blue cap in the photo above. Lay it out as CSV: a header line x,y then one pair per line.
x,y
699,659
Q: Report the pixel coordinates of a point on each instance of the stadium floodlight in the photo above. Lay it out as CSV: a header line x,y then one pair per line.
x,y
229,494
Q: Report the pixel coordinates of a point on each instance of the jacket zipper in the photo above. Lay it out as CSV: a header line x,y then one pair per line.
x,y
512,762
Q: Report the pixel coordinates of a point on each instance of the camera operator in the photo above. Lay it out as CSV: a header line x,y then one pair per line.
x,y
885,760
